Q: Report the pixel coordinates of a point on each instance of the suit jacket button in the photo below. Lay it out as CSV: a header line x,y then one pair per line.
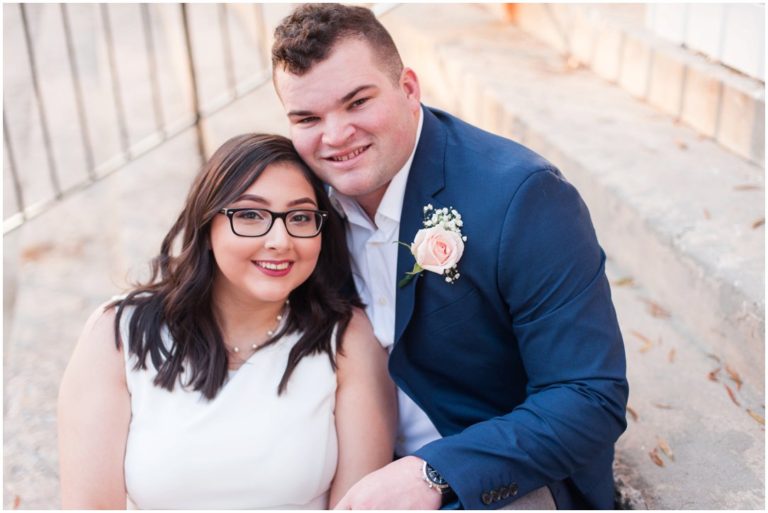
x,y
504,492
513,489
495,496
486,498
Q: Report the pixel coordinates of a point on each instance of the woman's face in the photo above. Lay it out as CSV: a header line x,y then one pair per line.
x,y
266,268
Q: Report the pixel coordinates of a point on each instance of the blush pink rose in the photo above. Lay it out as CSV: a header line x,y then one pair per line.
x,y
437,249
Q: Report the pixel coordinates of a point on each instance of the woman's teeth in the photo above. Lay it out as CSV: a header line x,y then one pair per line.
x,y
274,267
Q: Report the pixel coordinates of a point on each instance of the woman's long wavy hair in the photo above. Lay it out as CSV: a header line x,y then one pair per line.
x,y
177,297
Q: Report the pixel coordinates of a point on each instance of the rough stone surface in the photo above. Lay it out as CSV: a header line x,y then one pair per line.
x,y
613,40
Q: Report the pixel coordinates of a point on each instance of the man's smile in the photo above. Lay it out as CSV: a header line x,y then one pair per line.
x,y
343,157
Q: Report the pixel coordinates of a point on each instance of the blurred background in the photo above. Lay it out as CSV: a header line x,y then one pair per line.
x,y
655,112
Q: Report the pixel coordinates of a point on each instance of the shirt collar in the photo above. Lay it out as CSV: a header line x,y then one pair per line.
x,y
392,203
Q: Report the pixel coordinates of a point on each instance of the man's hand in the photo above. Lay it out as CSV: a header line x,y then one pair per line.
x,y
399,485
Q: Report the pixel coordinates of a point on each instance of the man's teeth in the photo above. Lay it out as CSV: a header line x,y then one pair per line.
x,y
273,267
350,155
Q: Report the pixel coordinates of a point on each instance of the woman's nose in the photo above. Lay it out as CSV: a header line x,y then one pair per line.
x,y
277,237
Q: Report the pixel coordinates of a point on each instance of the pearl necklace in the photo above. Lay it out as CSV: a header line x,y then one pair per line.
x,y
255,346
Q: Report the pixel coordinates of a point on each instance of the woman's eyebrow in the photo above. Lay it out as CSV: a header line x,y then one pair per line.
x,y
301,201
252,197
292,203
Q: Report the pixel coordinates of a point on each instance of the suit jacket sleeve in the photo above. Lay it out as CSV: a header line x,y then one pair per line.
x,y
551,276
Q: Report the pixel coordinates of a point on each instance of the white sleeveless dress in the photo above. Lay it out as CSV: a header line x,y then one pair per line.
x,y
248,448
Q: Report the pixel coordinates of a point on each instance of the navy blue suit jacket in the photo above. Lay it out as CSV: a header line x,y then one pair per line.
x,y
519,363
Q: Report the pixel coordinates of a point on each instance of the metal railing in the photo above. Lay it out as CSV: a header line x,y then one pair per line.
x,y
56,107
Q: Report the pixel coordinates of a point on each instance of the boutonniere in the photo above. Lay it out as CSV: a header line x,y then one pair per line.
x,y
438,246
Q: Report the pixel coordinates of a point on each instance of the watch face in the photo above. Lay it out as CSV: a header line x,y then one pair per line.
x,y
435,476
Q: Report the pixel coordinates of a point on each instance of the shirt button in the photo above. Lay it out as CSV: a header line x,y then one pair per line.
x,y
382,301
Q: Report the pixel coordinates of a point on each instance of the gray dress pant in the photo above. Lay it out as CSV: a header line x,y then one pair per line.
x,y
540,498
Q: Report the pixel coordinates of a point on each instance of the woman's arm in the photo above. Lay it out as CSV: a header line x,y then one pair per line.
x,y
366,407
94,414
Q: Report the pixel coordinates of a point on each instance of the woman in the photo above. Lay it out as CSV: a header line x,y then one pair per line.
x,y
240,376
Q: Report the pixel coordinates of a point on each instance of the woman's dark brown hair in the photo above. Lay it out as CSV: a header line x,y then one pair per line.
x,y
177,297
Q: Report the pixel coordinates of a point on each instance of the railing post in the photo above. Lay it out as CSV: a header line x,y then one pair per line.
x,y
193,77
77,84
18,191
226,43
116,93
149,42
40,104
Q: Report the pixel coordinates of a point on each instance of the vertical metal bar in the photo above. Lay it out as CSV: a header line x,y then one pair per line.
x,y
153,69
119,108
77,84
40,103
193,78
261,23
12,166
226,41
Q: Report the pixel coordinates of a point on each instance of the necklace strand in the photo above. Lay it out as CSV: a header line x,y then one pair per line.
x,y
270,333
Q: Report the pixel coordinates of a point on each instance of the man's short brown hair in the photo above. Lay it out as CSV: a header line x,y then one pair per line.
x,y
308,35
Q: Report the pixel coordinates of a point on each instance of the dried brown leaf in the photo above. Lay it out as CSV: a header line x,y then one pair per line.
x,y
664,446
662,406
734,376
758,223
573,62
713,374
36,252
654,454
627,281
672,354
732,395
633,413
656,310
681,144
647,342
747,187
707,215
756,416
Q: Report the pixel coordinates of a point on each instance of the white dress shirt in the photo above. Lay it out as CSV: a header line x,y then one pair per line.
x,y
373,252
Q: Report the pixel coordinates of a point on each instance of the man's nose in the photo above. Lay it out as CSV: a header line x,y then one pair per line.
x,y
337,131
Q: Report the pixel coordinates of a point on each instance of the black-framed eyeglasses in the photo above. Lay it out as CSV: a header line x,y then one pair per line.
x,y
256,222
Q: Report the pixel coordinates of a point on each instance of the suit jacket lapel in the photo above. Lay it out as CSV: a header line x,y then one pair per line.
x,y
426,178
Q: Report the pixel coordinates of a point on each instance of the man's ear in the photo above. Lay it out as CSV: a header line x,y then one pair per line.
x,y
409,82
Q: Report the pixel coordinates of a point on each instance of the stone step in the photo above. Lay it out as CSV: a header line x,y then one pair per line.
x,y
678,212
612,40
678,401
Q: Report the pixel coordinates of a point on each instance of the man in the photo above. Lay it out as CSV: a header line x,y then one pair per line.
x,y
509,363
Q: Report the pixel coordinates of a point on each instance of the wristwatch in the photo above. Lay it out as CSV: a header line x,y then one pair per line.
x,y
436,481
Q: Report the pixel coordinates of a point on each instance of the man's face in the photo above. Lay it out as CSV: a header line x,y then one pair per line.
x,y
349,122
